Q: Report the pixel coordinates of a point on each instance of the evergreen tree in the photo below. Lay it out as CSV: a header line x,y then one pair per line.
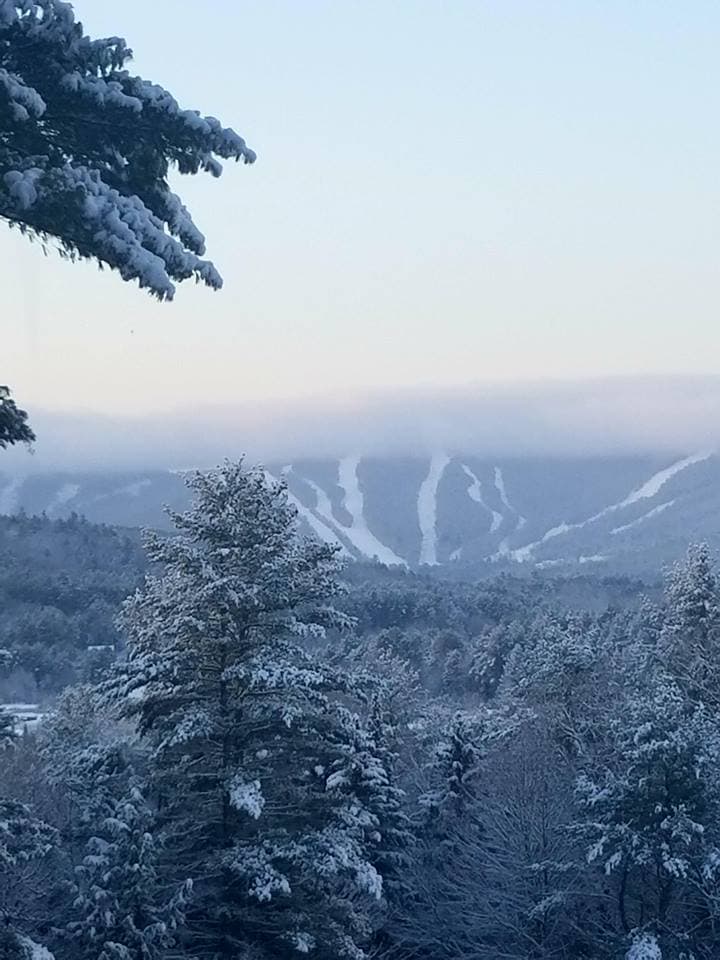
x,y
23,839
456,771
689,641
651,809
87,147
250,745
14,427
119,912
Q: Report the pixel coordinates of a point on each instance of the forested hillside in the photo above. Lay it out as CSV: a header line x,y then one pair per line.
x,y
471,515
61,583
291,757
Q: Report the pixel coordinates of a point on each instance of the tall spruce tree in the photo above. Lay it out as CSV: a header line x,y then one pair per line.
x,y
255,762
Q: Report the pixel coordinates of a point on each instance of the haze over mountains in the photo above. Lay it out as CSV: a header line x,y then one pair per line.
x,y
613,475
603,417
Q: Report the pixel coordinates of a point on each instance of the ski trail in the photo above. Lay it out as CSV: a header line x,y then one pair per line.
x,y
321,529
323,506
427,509
10,496
500,487
661,508
504,545
66,493
522,554
358,532
474,491
645,491
658,480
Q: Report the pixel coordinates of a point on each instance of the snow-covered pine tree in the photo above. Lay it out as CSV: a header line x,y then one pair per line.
x,y
689,643
555,672
650,811
86,149
13,422
365,773
455,771
249,740
110,901
23,839
119,912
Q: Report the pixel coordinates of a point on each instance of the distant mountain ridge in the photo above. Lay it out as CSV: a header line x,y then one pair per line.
x,y
612,512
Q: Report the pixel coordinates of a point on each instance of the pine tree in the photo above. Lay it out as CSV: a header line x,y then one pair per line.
x,y
13,422
456,769
119,911
689,643
23,839
650,808
109,899
87,147
250,745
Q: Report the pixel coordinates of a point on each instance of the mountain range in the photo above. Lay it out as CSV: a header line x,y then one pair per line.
x,y
620,514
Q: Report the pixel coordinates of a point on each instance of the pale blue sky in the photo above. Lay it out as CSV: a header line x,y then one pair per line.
x,y
445,192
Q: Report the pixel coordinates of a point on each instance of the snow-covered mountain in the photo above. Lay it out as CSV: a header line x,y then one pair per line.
x,y
612,513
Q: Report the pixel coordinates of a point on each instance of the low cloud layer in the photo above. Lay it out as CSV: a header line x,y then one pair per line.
x,y
619,415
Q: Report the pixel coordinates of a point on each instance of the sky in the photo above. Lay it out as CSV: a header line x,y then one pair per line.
x,y
446,194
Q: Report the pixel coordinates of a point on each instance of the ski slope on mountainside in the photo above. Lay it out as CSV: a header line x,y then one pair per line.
x,y
321,530
403,512
475,492
646,491
427,509
358,533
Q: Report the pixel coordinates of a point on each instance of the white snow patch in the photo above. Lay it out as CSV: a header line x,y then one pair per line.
x,y
10,496
354,502
661,508
247,797
475,493
645,947
594,558
427,509
35,951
